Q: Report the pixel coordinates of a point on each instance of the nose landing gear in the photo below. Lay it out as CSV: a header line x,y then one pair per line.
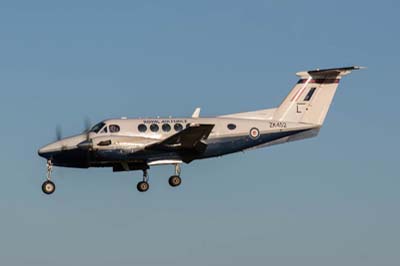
x,y
48,187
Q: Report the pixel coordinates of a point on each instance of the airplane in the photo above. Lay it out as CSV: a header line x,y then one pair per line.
x,y
138,144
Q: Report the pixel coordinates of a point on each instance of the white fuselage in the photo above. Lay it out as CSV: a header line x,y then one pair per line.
x,y
128,143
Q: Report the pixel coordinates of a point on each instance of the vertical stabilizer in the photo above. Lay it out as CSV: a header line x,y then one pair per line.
x,y
311,97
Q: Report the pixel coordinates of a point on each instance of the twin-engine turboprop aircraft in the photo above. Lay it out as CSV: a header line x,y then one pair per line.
x,y
137,144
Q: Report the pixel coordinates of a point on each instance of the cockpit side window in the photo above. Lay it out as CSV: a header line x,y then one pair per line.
x,y
104,130
96,128
114,128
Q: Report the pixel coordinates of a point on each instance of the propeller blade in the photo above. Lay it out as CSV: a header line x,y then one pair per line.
x,y
58,133
87,128
88,143
87,124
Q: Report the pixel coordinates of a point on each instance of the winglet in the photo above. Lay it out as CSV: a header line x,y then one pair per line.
x,y
196,113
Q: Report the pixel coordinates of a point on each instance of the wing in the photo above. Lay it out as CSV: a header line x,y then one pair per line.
x,y
188,140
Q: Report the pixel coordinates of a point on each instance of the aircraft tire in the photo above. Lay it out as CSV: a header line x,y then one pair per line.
x,y
48,187
174,181
143,186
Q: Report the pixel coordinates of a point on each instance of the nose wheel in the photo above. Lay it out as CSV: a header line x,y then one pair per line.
x,y
48,187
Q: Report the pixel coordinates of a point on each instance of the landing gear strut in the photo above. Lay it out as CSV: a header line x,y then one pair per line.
x,y
175,180
143,186
48,187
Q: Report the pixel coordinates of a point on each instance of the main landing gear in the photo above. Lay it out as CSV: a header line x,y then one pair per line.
x,y
48,187
173,181
143,186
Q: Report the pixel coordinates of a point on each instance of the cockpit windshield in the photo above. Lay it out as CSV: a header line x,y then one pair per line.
x,y
96,128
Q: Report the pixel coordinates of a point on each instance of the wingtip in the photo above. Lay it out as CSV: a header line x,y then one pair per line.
x,y
360,67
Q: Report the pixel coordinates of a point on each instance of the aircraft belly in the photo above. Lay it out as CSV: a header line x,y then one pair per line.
x,y
128,156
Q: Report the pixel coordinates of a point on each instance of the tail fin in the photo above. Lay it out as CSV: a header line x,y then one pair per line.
x,y
311,97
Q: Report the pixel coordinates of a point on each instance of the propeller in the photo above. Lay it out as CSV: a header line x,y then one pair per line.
x,y
87,124
87,144
59,136
58,132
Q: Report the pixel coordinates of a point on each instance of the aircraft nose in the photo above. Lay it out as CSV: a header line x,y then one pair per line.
x,y
47,150
42,153
54,149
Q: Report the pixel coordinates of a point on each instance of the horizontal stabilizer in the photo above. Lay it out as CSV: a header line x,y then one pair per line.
x,y
329,72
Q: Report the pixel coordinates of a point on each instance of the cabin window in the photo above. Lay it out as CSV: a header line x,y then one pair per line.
x,y
154,127
178,127
166,127
231,126
309,94
142,128
114,128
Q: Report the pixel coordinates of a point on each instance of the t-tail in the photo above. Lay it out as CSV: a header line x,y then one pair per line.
x,y
311,97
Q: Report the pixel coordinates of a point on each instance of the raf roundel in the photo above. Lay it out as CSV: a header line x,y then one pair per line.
x,y
254,133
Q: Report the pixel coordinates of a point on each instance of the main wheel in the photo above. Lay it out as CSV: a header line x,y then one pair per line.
x,y
143,186
48,187
174,181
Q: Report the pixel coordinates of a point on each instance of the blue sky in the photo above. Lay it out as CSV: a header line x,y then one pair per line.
x,y
332,200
